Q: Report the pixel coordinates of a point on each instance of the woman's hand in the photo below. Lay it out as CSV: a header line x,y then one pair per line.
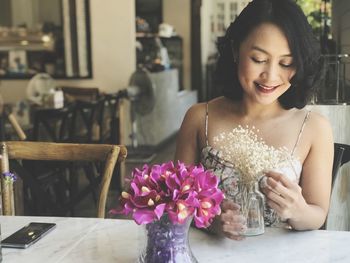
x,y
230,223
284,196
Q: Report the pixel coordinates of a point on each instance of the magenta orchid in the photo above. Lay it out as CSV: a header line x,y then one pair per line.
x,y
178,190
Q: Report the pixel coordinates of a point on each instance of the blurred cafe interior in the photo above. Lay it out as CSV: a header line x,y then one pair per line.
x,y
124,72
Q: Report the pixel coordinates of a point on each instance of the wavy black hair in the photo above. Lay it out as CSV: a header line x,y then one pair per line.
x,y
304,46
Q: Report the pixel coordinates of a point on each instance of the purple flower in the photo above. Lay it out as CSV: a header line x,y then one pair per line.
x,y
9,177
178,190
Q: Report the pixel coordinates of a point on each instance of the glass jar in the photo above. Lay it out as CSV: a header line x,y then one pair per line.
x,y
251,201
167,242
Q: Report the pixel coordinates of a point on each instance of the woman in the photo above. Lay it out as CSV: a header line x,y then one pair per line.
x,y
268,65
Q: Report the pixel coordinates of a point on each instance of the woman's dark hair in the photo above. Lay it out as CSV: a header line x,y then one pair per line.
x,y
305,49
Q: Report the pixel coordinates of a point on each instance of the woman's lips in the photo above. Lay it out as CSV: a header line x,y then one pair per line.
x,y
265,88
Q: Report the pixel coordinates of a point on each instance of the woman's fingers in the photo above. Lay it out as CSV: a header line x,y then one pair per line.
x,y
229,205
234,236
279,198
234,230
279,180
232,216
232,222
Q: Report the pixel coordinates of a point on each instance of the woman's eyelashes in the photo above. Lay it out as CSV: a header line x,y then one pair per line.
x,y
287,65
259,61
282,64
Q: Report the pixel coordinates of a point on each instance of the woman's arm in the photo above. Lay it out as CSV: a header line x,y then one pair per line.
x,y
306,206
187,143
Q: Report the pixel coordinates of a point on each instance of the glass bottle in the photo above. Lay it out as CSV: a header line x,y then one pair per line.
x,y
251,201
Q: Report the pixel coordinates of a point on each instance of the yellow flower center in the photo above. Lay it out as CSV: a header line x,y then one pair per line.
x,y
145,189
183,215
181,207
206,205
186,187
125,195
150,202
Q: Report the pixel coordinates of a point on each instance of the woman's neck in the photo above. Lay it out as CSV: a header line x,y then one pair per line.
x,y
256,112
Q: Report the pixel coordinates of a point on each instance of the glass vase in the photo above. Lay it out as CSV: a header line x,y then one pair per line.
x,y
251,201
167,242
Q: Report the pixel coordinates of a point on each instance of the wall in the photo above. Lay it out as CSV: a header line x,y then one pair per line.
x,y
169,108
341,33
341,24
5,15
178,14
113,50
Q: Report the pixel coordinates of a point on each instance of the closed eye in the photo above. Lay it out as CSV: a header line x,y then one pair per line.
x,y
286,65
258,60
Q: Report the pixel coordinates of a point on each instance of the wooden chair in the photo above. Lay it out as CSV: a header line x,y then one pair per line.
x,y
53,125
89,113
80,93
7,116
110,154
341,156
88,126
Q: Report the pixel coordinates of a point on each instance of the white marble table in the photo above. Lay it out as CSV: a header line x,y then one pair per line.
x,y
110,240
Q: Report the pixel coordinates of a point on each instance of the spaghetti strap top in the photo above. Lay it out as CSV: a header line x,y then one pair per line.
x,y
212,159
206,125
296,142
300,132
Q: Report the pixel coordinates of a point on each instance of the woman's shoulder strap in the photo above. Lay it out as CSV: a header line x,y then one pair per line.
x,y
206,124
301,131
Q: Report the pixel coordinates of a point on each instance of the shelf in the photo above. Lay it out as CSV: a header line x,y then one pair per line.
x,y
31,47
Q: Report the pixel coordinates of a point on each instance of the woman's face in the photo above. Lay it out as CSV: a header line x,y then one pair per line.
x,y
265,64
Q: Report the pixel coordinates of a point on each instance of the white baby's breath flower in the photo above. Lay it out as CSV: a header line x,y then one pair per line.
x,y
249,154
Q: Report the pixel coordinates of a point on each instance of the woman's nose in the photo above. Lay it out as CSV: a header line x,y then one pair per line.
x,y
270,72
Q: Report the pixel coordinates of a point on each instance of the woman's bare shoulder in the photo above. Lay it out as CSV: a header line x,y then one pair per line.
x,y
314,119
199,110
196,111
319,121
319,127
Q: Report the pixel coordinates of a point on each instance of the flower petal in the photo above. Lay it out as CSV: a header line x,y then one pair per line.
x,y
144,216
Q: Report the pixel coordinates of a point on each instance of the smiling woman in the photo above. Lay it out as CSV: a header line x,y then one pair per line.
x,y
265,66
268,66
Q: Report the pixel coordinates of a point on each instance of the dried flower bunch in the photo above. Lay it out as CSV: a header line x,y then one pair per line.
x,y
249,154
178,190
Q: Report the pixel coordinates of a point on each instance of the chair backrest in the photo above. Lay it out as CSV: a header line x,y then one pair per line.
x,y
110,154
54,125
7,116
341,156
80,94
89,116
89,113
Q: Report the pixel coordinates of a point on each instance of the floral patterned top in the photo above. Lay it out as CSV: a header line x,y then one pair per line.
x,y
212,159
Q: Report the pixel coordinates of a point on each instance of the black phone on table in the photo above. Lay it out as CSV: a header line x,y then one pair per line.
x,y
27,235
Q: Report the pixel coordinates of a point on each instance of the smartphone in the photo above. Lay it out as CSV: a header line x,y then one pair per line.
x,y
27,235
